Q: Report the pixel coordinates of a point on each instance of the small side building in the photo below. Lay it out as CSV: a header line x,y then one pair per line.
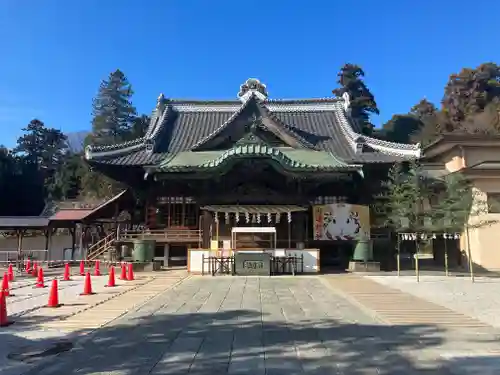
x,y
478,158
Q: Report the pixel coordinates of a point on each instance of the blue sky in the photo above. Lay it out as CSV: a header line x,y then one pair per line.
x,y
54,53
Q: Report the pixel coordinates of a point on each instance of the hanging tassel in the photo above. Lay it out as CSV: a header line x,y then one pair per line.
x,y
247,217
217,217
433,236
237,217
258,218
226,217
457,236
269,218
445,236
289,216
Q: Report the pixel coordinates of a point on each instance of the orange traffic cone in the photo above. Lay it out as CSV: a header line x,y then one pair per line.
x,y
82,268
4,320
5,285
130,275
66,276
39,281
34,271
54,295
123,275
87,286
97,270
10,273
111,280
28,266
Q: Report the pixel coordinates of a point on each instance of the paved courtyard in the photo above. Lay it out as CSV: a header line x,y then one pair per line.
x,y
279,325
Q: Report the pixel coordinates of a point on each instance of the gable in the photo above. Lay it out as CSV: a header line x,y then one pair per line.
x,y
251,125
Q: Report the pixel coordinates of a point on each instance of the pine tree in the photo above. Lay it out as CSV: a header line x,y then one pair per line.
x,y
113,112
460,209
362,101
41,151
400,205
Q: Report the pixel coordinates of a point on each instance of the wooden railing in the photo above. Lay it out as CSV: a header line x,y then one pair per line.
x,y
167,235
101,246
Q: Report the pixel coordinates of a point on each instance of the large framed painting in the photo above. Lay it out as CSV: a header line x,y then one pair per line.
x,y
341,221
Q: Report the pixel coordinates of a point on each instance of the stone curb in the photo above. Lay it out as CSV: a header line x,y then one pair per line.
x,y
88,336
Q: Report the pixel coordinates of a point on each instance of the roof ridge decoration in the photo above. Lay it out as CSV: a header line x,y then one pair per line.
x,y
253,85
357,140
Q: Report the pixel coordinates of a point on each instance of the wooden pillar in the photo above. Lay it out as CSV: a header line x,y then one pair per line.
x,y
206,222
20,234
72,231
48,236
80,240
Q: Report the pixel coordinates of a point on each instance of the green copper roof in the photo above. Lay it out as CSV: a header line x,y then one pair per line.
x,y
289,158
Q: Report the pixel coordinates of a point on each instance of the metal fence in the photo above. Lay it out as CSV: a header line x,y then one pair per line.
x,y
224,265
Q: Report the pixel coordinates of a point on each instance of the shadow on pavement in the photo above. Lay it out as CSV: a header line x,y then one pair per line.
x,y
248,342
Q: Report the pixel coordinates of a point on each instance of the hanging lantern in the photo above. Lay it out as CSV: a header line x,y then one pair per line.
x,y
289,216
269,218
247,217
237,217
226,217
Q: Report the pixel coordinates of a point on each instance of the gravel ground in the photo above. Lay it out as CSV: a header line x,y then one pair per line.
x,y
479,300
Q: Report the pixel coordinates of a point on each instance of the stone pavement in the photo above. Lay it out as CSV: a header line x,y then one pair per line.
x,y
262,325
398,308
36,326
479,300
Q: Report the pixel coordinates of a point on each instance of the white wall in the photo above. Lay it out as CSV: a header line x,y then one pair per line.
x,y
311,258
8,247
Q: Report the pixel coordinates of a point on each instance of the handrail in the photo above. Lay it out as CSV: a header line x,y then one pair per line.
x,y
164,234
100,246
98,243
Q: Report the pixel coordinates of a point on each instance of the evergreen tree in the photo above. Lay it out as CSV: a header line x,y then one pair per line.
x,y
362,101
139,126
460,208
113,112
68,178
400,205
41,152
114,121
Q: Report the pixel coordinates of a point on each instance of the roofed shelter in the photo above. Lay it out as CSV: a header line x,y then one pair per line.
x,y
69,215
254,156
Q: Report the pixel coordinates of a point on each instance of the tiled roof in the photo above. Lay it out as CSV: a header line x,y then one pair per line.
x,y
183,125
26,222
